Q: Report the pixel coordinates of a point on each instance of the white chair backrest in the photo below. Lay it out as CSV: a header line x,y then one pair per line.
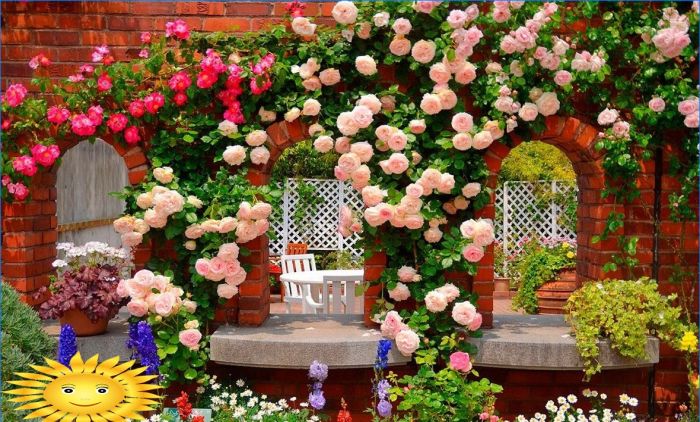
x,y
333,303
298,263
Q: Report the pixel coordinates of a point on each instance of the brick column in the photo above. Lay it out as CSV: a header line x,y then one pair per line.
x,y
374,267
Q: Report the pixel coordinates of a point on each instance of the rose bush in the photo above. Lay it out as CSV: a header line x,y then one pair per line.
x,y
469,77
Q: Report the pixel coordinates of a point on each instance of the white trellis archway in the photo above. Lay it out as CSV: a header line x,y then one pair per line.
x,y
521,214
319,228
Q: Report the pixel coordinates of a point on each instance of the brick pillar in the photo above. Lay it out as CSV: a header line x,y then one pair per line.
x,y
254,293
374,267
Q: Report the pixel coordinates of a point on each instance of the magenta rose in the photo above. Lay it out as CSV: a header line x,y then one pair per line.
x,y
459,361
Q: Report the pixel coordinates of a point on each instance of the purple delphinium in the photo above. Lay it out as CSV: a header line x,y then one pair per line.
x,y
380,384
144,346
384,408
67,344
383,348
316,399
318,372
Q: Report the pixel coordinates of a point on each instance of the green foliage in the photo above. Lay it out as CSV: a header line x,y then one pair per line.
x,y
24,342
338,260
533,161
626,312
536,265
446,395
302,160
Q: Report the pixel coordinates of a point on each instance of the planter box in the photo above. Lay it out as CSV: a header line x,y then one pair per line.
x,y
552,296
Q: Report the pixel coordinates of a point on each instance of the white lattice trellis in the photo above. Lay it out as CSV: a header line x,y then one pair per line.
x,y
521,215
321,232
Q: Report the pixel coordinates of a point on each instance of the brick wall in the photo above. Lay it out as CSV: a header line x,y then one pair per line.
x,y
67,32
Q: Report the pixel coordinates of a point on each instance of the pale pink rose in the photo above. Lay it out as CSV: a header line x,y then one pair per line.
x,y
373,217
144,278
303,26
261,210
482,140
548,104
124,224
493,127
459,361
407,342
366,65
345,215
473,253
439,73
346,123
234,155
516,68
245,232
464,313
432,177
364,30
397,163
607,117
245,211
483,233
476,322
388,102
621,129
315,128
236,278
361,175
410,204
431,104
416,157
550,62
202,267
562,78
312,84
342,145
501,15
190,338
292,114
371,102
432,235
210,226
259,155
384,132
311,108
470,190
145,200
267,115
509,45
217,268
466,74
190,245
468,228
228,251
414,190
456,18
691,121
168,203
122,290
688,106
372,195
137,307
261,227
163,174
397,141
671,41
450,291
381,19
340,174
226,290
460,203
449,208
414,221
189,305
402,26
323,144
417,126
504,104
363,150
447,183
400,292
386,211
349,162
344,12
400,46
657,104
329,76
448,99
462,122
163,303
155,219
363,116
528,112
392,325
435,301
423,51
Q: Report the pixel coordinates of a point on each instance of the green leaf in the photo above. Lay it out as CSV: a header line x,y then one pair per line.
x,y
190,374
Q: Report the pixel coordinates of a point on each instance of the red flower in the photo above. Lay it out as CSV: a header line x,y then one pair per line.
x,y
57,115
18,190
137,108
206,79
82,125
153,102
104,82
178,29
131,135
117,122
184,407
180,81
180,99
45,155
25,165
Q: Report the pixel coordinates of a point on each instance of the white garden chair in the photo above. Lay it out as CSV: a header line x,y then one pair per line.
x,y
294,264
337,295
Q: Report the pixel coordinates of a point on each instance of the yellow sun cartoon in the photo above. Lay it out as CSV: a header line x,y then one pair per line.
x,y
86,391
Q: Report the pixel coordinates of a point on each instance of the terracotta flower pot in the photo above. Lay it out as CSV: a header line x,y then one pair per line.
x,y
82,325
501,287
552,295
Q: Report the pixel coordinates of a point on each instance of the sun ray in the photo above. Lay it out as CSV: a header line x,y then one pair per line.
x,y
22,399
23,383
69,418
98,418
58,366
91,364
55,417
106,365
119,369
111,416
23,391
36,377
32,406
55,373
40,413
83,418
76,364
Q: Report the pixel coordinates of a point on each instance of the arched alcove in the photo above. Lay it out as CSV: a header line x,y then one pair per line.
x,y
88,173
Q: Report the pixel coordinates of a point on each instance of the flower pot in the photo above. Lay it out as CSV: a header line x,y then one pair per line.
x,y
552,295
82,325
501,287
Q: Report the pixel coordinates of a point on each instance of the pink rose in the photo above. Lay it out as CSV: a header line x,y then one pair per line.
x,y
470,190
476,322
312,84
82,125
342,145
407,342
450,291
466,74
621,129
256,138
371,102
226,290
400,292
202,267
14,95
473,253
344,12
423,51
464,313
657,104
384,132
691,121
482,140
323,144
155,219
483,233
688,106
432,235
363,116
448,98
261,211
462,122
372,195
397,141
25,165
431,104
363,150
346,123
400,46
392,325
397,163
435,301
303,26
426,6
548,104
417,126
439,73
177,29
414,190
234,155
402,26
373,216
190,338
456,18
137,307
164,303
131,135
407,274
329,76
459,361
349,162
501,15
366,65
259,155
562,78
528,112
57,115
432,177
607,117
447,183
361,175
340,174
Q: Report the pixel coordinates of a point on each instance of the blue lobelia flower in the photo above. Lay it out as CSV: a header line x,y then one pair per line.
x,y
383,348
67,344
144,347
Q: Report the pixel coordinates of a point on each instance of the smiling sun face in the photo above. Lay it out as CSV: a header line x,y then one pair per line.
x,y
85,392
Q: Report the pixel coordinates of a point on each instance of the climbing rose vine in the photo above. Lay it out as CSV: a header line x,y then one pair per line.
x,y
411,95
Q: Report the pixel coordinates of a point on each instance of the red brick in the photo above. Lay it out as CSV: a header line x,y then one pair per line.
x,y
248,9
57,37
16,36
153,8
226,24
137,175
10,255
131,23
21,240
34,21
105,7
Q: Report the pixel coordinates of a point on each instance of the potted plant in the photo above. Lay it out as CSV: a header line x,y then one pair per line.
x,y
275,272
501,282
545,275
83,294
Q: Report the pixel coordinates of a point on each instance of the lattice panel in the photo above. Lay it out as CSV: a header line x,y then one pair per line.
x,y
317,229
521,215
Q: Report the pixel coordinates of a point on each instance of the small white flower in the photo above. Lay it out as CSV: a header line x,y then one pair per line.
x,y
215,386
200,389
624,398
240,383
633,402
561,400
304,404
295,68
571,398
603,396
59,263
631,416
293,399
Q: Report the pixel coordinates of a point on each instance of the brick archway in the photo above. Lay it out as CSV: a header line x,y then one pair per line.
x,y
29,229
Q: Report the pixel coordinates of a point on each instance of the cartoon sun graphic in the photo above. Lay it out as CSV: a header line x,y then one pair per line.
x,y
86,391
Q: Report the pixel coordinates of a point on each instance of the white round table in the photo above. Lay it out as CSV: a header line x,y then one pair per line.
x,y
311,281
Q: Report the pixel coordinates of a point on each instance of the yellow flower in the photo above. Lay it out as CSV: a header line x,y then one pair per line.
x,y
689,342
570,254
565,245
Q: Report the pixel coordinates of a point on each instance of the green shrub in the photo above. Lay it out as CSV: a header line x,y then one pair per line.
x,y
626,312
24,342
340,260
